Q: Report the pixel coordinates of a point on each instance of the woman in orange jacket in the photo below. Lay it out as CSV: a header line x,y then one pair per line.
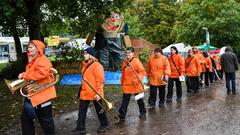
x,y
201,60
93,73
38,69
132,73
158,70
177,69
192,70
207,68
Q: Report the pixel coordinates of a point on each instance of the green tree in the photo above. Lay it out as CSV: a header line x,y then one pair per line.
x,y
157,19
221,17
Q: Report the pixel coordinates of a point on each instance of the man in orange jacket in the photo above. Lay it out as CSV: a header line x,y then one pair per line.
x,y
177,69
158,70
93,73
38,69
192,70
132,75
207,68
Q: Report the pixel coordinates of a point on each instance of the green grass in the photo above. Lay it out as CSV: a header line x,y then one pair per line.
x,y
11,105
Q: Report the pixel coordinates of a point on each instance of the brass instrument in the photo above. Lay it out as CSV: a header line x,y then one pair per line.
x,y
30,88
106,106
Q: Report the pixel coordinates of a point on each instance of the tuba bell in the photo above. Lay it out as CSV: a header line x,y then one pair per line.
x,y
30,88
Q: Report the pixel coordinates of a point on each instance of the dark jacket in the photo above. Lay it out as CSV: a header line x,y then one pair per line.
x,y
229,61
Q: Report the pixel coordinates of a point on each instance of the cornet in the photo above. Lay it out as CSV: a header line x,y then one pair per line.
x,y
30,88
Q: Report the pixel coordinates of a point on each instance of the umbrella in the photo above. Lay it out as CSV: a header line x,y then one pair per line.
x,y
206,47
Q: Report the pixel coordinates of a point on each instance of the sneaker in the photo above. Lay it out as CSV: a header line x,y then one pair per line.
x,y
179,100
102,129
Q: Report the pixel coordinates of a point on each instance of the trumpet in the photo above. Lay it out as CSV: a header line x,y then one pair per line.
x,y
30,88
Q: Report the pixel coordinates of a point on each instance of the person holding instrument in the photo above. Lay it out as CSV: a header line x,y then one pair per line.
x,y
158,70
38,105
132,75
93,77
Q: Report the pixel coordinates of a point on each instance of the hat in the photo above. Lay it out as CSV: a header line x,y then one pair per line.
x,y
90,51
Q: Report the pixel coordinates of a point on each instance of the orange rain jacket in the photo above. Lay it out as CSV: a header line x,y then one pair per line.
x,y
94,76
179,62
130,82
39,70
216,59
192,66
201,60
207,64
157,66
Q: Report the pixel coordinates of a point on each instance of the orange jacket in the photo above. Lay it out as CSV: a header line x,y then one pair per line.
x,y
130,82
217,62
201,60
157,66
39,70
207,64
179,62
94,76
192,66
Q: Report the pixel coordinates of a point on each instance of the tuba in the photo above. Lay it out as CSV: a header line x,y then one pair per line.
x,y
30,88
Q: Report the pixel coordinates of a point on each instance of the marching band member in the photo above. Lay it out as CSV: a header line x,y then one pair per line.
x,y
177,69
38,69
158,70
93,73
132,73
192,69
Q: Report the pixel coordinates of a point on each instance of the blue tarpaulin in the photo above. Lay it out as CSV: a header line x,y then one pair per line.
x,y
110,78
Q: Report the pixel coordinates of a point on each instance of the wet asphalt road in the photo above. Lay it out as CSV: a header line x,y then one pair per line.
x,y
211,112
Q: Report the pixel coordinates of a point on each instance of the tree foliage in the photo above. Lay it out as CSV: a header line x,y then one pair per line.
x,y
157,19
221,17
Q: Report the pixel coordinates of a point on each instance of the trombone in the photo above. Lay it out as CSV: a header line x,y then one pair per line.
x,y
106,106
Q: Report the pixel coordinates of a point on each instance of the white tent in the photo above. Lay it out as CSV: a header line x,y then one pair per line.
x,y
222,50
181,47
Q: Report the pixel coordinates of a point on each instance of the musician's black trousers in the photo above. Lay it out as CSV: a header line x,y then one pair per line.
x,y
45,119
83,106
192,83
125,102
170,88
153,94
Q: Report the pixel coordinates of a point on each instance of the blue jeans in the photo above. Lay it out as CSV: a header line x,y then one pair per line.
x,y
230,77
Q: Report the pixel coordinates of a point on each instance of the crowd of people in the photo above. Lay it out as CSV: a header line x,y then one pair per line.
x,y
197,69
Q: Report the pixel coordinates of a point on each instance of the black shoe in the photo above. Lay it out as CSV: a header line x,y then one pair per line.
x,y
168,100
228,92
179,100
234,92
121,118
161,104
102,129
150,107
142,115
82,132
